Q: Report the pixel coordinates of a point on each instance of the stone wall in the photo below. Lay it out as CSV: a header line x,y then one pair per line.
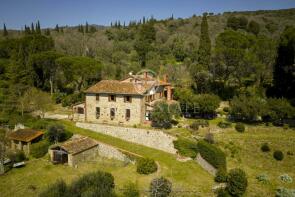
x,y
86,155
111,152
152,138
205,165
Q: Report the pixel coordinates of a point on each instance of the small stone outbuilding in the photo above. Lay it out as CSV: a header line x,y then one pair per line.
x,y
77,149
23,138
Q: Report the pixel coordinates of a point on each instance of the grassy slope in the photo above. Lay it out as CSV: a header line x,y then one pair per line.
x,y
247,154
187,176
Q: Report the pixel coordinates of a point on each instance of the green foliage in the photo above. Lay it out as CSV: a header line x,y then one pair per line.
x,y
286,178
40,124
93,184
284,192
284,79
224,124
246,108
265,147
160,187
263,178
240,127
237,22
279,109
278,155
146,166
39,149
161,116
237,182
221,176
253,27
72,99
223,193
212,154
57,133
206,104
204,52
186,147
130,190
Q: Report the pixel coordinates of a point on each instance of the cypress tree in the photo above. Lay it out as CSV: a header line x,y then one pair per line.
x,y
57,28
38,28
86,28
143,20
204,52
111,24
32,28
5,32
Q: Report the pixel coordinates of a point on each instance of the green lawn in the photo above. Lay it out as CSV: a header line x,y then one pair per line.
x,y
39,173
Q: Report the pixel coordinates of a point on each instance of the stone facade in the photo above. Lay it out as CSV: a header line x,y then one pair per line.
x,y
152,138
119,107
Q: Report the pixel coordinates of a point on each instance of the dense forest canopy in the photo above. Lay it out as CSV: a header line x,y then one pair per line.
x,y
229,54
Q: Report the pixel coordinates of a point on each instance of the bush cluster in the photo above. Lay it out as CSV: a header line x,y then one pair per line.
x,y
40,124
92,184
265,147
39,149
199,123
278,155
146,166
240,127
160,187
237,182
263,178
185,147
57,133
212,154
224,125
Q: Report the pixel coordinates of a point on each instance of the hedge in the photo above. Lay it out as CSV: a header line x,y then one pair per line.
x,y
146,166
212,154
39,149
185,147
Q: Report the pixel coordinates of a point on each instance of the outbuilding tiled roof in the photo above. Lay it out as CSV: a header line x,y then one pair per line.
x,y
78,144
25,135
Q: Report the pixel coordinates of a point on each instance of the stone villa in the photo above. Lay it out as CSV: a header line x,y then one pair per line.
x,y
124,102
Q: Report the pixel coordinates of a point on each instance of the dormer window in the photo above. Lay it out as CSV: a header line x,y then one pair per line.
x,y
127,99
112,98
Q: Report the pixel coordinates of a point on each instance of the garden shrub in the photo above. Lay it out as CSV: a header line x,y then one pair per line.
x,y
237,182
39,149
160,187
146,166
224,124
212,154
57,133
286,178
93,184
209,137
240,127
199,123
278,155
265,147
284,192
221,176
130,190
263,178
186,147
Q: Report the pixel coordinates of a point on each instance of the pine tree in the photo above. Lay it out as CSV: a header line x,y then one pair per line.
x,y
27,30
111,24
86,28
143,20
204,52
57,28
32,28
5,32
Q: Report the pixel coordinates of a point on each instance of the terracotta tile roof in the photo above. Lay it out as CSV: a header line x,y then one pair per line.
x,y
25,135
78,144
117,87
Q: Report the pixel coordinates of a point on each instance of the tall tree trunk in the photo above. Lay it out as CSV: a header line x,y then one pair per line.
x,y
51,86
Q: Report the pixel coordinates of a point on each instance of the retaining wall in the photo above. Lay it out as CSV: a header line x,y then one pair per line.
x,y
152,138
